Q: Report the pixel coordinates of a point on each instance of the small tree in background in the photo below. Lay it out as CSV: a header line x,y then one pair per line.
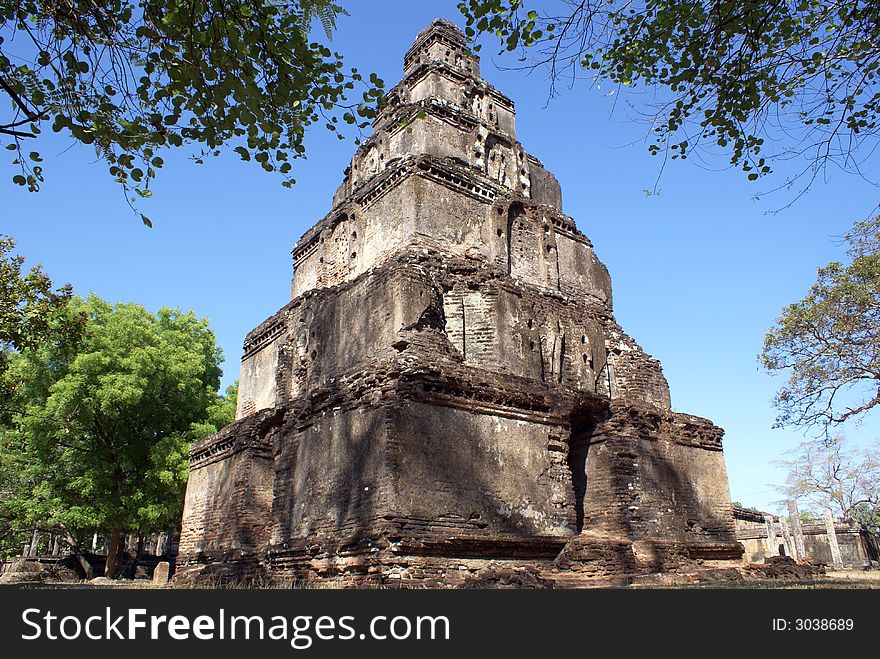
x,y
832,475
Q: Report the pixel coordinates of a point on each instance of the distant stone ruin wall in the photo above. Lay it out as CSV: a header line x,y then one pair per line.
x,y
857,546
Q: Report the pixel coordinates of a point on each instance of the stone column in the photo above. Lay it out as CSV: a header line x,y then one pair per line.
x,y
836,559
786,535
772,545
796,528
33,550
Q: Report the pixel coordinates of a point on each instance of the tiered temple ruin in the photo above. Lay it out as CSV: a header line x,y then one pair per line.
x,y
447,398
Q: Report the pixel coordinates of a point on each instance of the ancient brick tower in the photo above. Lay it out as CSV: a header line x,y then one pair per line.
x,y
447,397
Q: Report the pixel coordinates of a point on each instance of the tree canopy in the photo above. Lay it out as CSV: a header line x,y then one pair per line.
x,y
27,301
101,438
749,79
134,77
30,312
829,342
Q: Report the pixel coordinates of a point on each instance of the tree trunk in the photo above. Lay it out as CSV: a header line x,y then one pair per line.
x,y
138,555
114,553
74,549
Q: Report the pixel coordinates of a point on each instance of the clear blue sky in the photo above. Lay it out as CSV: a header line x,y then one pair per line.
x,y
699,271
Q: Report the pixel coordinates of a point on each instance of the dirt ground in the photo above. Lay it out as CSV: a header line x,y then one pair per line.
x,y
838,580
833,580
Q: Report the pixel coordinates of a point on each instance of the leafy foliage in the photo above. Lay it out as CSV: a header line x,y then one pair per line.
x,y
134,77
832,475
829,342
102,434
220,413
27,301
29,312
726,75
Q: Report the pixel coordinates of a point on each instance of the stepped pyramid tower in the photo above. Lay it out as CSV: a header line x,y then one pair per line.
x,y
447,398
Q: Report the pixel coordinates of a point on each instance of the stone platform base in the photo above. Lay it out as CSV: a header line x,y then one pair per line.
x,y
544,562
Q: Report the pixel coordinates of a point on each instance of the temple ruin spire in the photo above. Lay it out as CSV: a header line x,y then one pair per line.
x,y
447,393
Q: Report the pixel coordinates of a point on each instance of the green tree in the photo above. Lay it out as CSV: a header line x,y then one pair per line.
x,y
102,438
832,475
27,300
829,342
134,77
220,413
724,75
30,310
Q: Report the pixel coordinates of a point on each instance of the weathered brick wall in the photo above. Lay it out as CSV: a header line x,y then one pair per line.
x,y
633,375
257,385
519,330
657,475
229,494
471,324
330,478
496,471
545,189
